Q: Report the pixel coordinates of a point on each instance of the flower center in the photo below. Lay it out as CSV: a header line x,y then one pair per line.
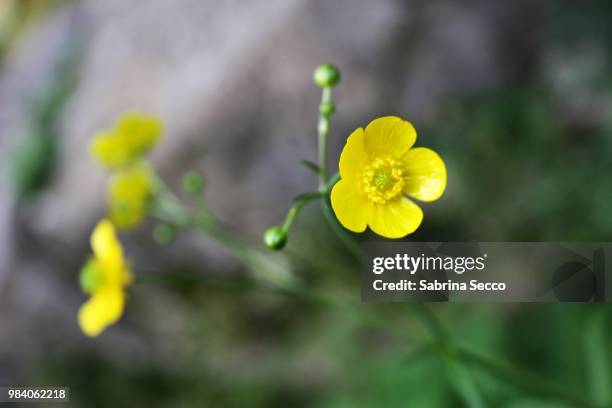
x,y
91,277
382,180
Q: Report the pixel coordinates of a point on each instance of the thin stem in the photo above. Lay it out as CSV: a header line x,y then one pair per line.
x,y
293,290
345,237
353,309
459,376
278,279
261,264
168,208
182,279
299,203
331,183
325,111
456,357
431,323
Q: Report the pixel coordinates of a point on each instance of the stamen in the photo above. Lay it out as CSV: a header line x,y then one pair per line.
x,y
383,180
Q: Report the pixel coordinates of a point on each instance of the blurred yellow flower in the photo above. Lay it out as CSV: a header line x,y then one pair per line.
x,y
133,136
378,169
129,192
104,278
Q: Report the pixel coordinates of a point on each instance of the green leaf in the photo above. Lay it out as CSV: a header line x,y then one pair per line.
x,y
596,357
463,383
31,162
311,165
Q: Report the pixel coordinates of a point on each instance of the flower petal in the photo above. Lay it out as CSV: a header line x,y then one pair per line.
x,y
108,150
108,252
104,241
389,136
129,193
396,218
350,206
353,156
139,132
133,136
104,308
426,174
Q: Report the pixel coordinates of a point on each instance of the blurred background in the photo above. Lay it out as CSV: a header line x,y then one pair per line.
x,y
515,96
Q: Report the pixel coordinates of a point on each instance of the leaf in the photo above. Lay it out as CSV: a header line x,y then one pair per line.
x,y
596,357
463,383
31,162
311,165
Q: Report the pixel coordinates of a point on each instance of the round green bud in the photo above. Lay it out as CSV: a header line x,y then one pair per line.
x,y
275,238
163,233
192,182
326,76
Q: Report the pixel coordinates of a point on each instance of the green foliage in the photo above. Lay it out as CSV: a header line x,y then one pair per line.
x,y
518,172
519,169
33,158
32,161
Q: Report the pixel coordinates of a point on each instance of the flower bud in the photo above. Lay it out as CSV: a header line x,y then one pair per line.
x,y
192,182
275,238
326,76
163,234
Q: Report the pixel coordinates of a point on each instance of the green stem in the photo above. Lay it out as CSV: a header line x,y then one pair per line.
x,y
170,210
299,203
460,378
263,265
182,279
293,290
331,183
325,111
345,237
431,323
458,375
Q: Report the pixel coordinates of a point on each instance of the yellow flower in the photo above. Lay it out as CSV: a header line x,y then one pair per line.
x,y
133,136
378,169
129,192
104,278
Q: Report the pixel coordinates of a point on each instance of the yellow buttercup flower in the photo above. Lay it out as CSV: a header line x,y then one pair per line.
x,y
378,169
104,278
129,192
133,136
